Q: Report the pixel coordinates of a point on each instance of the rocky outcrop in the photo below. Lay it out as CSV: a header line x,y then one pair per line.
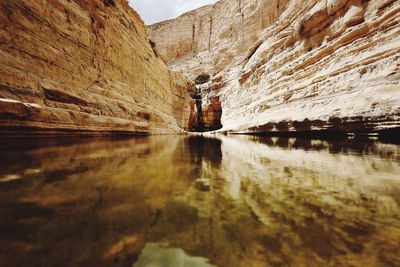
x,y
205,113
205,116
212,114
84,66
296,66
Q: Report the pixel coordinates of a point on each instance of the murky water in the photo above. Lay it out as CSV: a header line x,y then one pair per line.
x,y
192,201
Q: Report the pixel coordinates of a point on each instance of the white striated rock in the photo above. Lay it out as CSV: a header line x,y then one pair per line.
x,y
331,64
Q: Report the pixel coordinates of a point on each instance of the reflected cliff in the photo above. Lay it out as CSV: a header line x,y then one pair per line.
x,y
198,201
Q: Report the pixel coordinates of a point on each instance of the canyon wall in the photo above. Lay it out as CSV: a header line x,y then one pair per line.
x,y
84,66
292,66
214,36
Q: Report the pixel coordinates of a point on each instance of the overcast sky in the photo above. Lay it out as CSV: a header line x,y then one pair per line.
x,y
153,11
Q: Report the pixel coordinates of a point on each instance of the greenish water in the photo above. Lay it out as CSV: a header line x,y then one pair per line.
x,y
192,201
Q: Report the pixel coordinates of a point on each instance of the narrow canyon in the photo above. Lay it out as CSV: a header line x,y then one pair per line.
x,y
238,66
243,133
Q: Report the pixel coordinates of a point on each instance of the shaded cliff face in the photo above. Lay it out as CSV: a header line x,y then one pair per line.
x,y
305,66
84,65
205,116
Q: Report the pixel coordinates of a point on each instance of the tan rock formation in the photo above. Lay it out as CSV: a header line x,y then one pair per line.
x,y
212,114
276,65
294,66
214,36
86,66
205,115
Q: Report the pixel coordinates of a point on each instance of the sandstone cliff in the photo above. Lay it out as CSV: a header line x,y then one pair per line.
x,y
214,36
86,66
293,65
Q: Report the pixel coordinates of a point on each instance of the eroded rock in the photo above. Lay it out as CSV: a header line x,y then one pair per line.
x,y
90,68
296,66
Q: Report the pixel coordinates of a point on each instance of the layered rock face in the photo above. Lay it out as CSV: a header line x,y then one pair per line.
x,y
214,36
305,66
85,66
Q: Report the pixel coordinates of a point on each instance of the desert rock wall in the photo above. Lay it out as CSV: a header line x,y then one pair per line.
x,y
275,66
327,65
86,66
306,66
214,36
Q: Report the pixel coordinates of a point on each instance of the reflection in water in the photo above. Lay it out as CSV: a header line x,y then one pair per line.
x,y
195,201
155,255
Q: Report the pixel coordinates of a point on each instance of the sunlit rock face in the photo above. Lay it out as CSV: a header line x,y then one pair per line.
x,y
84,66
283,66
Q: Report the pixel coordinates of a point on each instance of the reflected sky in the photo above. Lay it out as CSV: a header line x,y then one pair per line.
x,y
199,201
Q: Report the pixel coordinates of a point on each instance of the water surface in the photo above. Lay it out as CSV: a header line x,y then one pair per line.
x,y
199,202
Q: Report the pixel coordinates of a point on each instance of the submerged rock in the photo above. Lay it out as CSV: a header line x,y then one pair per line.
x,y
156,255
203,184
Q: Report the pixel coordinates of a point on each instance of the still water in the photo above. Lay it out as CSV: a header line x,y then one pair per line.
x,y
179,201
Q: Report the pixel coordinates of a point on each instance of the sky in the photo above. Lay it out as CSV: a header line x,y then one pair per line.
x,y
153,11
